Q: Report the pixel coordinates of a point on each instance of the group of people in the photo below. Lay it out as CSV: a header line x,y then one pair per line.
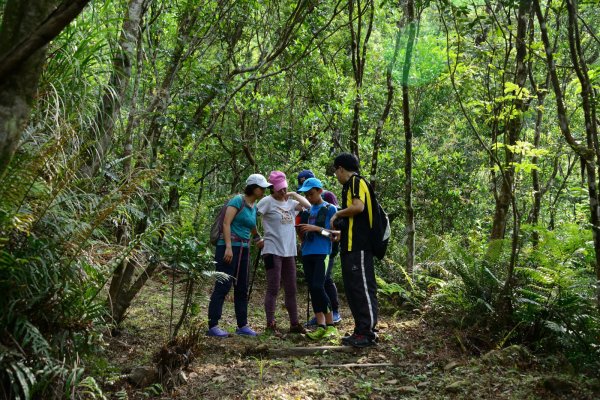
x,y
323,229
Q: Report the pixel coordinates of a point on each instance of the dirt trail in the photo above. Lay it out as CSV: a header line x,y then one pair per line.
x,y
414,360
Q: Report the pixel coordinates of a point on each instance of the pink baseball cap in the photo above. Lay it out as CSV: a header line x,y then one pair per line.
x,y
277,178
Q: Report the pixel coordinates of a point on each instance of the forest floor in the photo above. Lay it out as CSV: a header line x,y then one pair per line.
x,y
415,359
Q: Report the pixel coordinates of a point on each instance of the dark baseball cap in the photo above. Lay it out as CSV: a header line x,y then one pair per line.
x,y
304,175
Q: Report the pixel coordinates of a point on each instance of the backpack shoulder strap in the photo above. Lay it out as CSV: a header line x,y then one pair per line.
x,y
322,215
237,210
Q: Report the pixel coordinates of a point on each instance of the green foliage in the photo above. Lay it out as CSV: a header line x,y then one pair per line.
x,y
428,58
184,251
397,290
219,91
409,294
553,300
90,389
46,320
475,287
49,314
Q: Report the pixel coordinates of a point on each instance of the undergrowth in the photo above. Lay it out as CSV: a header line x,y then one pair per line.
x,y
552,299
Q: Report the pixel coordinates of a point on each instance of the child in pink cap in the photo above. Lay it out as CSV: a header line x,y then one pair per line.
x,y
278,212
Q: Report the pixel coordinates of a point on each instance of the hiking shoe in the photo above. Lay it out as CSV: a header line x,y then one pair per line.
x,y
215,331
298,328
330,332
316,334
358,341
345,338
312,322
245,331
272,330
337,318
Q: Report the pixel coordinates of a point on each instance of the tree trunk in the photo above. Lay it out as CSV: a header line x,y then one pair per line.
x,y
589,152
507,192
538,192
187,303
132,120
408,137
386,110
588,101
122,291
359,50
27,28
162,99
30,26
128,293
513,126
114,94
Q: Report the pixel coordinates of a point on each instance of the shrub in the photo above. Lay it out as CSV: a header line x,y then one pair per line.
x,y
553,303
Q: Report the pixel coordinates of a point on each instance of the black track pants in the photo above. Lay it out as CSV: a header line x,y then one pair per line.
x,y
358,273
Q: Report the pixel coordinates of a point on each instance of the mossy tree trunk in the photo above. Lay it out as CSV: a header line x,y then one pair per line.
x,y
115,92
408,137
27,28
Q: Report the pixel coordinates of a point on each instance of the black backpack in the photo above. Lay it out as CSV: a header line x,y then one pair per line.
x,y
320,219
380,231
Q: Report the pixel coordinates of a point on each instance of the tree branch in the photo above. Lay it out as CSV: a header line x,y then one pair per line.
x,y
66,12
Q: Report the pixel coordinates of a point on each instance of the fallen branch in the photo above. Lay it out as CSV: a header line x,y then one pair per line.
x,y
299,351
355,365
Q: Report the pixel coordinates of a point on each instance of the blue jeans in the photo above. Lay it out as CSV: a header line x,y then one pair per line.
x,y
238,269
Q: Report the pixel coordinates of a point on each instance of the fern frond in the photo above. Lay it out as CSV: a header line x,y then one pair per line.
x,y
219,276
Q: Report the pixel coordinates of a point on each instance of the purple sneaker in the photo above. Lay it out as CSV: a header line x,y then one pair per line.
x,y
217,332
245,331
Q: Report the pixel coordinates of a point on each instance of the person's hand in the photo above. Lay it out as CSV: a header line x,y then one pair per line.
x,y
303,228
228,255
293,195
332,220
336,236
260,244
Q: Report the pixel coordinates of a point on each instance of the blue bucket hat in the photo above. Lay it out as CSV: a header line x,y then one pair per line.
x,y
311,183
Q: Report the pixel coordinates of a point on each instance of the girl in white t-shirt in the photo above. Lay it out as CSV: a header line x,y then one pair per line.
x,y
278,212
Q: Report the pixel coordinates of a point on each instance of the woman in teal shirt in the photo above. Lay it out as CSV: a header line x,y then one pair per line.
x,y
231,257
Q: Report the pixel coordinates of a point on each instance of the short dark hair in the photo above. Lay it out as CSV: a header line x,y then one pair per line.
x,y
248,190
347,161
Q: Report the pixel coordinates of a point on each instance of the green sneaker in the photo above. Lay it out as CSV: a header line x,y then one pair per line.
x,y
316,334
330,332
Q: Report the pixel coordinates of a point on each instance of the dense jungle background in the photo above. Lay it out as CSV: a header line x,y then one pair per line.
x,y
125,125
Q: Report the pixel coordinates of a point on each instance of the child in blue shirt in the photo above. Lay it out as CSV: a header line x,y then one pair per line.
x,y
316,246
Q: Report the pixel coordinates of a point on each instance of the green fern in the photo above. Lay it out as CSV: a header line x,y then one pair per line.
x,y
49,310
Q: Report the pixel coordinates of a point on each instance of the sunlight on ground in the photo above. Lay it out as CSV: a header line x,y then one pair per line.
x,y
303,388
409,324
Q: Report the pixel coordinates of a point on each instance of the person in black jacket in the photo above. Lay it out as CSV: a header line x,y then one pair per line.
x,y
355,221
